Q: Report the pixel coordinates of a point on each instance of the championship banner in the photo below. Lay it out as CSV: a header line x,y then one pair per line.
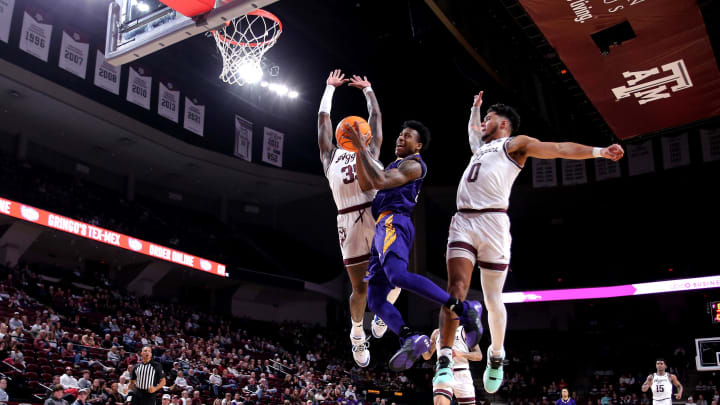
x,y
543,171
169,101
710,139
87,231
35,34
6,12
646,65
640,158
676,151
194,116
107,76
74,51
139,87
272,147
243,138
573,172
606,169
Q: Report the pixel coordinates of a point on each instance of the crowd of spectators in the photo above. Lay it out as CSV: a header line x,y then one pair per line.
x,y
88,338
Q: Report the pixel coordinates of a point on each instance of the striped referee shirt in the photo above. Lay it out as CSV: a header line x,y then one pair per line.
x,y
147,375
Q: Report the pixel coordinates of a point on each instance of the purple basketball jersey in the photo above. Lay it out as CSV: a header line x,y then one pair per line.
x,y
401,199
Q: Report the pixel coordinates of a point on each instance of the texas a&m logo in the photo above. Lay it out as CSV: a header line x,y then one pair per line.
x,y
646,90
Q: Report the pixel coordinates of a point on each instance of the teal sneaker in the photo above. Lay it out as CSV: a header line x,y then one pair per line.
x,y
444,375
493,375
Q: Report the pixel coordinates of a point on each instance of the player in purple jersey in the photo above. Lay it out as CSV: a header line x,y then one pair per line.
x,y
398,189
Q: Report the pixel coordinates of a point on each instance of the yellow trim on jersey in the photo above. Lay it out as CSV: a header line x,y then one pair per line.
x,y
382,215
390,234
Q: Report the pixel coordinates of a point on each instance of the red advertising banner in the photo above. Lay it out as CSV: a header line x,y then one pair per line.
x,y
82,229
664,77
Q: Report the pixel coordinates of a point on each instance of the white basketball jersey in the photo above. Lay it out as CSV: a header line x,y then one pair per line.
x,y
459,345
342,176
489,177
661,386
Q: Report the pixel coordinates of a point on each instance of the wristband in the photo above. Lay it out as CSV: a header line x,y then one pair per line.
x,y
597,152
326,101
367,90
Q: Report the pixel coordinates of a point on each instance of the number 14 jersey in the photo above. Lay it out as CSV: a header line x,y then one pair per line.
x,y
489,177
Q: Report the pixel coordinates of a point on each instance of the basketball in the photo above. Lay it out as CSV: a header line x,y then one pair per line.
x,y
341,134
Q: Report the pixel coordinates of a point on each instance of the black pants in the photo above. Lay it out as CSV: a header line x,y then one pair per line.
x,y
143,397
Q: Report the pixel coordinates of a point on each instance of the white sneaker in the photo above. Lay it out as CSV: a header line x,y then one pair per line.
x,y
378,327
361,354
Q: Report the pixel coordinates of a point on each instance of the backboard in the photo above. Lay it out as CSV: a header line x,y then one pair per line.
x,y
707,354
137,28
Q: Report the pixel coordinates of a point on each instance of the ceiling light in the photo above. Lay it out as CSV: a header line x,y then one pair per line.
x,y
281,90
293,94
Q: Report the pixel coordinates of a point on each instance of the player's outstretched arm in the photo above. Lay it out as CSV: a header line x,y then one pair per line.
x,y
379,179
474,131
428,354
375,118
325,129
646,385
678,386
525,147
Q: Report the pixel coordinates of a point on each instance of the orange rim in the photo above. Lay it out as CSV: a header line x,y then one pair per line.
x,y
260,13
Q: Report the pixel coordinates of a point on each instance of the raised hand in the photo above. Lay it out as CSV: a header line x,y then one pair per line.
x,y
613,152
355,136
477,100
336,78
678,396
359,82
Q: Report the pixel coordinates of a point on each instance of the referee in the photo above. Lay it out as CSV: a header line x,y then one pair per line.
x,y
146,378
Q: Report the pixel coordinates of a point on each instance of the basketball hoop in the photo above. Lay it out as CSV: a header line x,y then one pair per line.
x,y
243,42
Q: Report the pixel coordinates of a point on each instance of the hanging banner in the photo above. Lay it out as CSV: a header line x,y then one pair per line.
x,y
272,147
676,151
74,51
543,171
243,138
645,65
573,172
139,87
107,76
640,158
169,101
6,12
194,116
35,34
710,139
606,169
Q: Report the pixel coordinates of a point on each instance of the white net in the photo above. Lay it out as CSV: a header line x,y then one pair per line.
x,y
243,42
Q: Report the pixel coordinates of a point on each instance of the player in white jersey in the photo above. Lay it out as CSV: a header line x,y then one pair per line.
x,y
462,387
356,226
661,383
480,230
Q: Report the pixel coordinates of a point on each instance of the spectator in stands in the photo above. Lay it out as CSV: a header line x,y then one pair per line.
x,y
56,397
4,398
3,331
565,397
97,392
84,381
350,393
180,383
215,382
123,386
82,396
185,398
17,357
113,355
192,379
106,342
701,400
227,400
15,322
196,400
17,334
166,399
67,380
81,358
40,342
264,389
